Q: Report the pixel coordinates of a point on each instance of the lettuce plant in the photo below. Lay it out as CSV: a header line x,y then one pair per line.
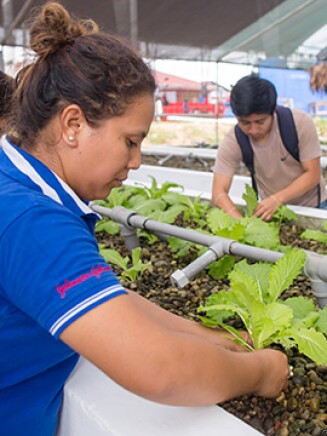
x,y
132,268
316,235
254,297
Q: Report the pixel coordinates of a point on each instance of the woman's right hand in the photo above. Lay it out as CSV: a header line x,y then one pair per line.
x,y
275,371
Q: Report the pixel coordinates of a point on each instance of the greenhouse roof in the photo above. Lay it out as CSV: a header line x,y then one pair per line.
x,y
268,32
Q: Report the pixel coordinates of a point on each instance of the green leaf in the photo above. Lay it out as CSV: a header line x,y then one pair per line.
x,y
236,232
119,196
285,270
260,273
179,246
301,306
246,286
251,200
113,257
222,267
157,192
260,234
311,343
267,320
149,206
177,198
217,219
315,235
150,237
108,226
167,216
215,317
321,323
136,255
229,308
237,337
284,213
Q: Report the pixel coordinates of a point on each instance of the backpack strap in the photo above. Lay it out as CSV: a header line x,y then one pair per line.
x,y
289,136
288,131
247,153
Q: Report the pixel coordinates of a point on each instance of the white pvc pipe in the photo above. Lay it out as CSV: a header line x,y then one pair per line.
x,y
315,266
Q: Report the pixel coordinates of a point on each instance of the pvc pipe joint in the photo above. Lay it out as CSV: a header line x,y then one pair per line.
x,y
315,269
181,278
130,235
320,291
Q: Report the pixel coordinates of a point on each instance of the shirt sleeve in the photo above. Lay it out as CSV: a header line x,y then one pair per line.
x,y
309,144
51,268
229,155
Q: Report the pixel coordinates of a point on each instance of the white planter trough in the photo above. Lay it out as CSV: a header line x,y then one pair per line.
x,y
200,183
193,152
94,405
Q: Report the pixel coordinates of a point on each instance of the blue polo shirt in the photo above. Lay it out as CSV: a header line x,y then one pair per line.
x,y
51,273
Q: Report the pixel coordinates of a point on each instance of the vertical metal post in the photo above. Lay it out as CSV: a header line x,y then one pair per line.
x,y
133,22
217,105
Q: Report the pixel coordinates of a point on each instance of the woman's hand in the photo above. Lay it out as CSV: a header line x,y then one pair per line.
x,y
275,372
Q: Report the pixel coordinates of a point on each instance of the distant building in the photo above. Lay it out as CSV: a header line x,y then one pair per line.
x,y
177,93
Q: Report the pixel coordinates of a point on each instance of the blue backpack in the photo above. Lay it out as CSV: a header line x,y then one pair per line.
x,y
288,135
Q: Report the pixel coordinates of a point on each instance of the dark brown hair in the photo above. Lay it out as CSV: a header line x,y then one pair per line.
x,y
7,86
75,63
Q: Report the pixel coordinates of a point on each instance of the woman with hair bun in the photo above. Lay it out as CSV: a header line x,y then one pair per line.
x,y
82,110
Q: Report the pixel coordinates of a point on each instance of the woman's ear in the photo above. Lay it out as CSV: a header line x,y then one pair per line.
x,y
72,120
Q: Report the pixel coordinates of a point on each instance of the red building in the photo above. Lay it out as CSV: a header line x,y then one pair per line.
x,y
180,95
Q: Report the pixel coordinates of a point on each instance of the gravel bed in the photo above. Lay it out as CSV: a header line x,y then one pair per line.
x,y
301,409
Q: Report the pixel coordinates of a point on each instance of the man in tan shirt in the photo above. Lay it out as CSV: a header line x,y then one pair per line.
x,y
280,178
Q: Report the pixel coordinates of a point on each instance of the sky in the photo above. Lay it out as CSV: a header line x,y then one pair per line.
x,y
224,74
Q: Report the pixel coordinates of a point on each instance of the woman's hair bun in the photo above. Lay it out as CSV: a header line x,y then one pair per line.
x,y
53,27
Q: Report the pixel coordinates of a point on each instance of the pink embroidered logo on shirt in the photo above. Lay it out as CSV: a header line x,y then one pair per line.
x,y
95,272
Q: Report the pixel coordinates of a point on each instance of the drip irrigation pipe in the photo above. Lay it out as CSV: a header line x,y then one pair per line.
x,y
315,266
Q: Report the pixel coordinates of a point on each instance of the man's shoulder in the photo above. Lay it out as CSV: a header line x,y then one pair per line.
x,y
229,137
301,116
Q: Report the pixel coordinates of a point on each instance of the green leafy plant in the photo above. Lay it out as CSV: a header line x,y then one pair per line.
x,y
156,191
108,226
247,230
316,235
254,297
194,210
132,268
222,267
282,213
251,200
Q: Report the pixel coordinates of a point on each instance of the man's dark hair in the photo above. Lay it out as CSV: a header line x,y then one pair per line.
x,y
253,95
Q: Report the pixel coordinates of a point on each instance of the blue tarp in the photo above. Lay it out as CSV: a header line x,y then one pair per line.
x,y
293,84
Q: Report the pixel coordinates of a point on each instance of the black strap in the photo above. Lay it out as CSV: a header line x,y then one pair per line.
x,y
288,131
289,136
247,153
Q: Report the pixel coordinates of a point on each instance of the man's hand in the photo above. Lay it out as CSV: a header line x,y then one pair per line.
x,y
267,207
